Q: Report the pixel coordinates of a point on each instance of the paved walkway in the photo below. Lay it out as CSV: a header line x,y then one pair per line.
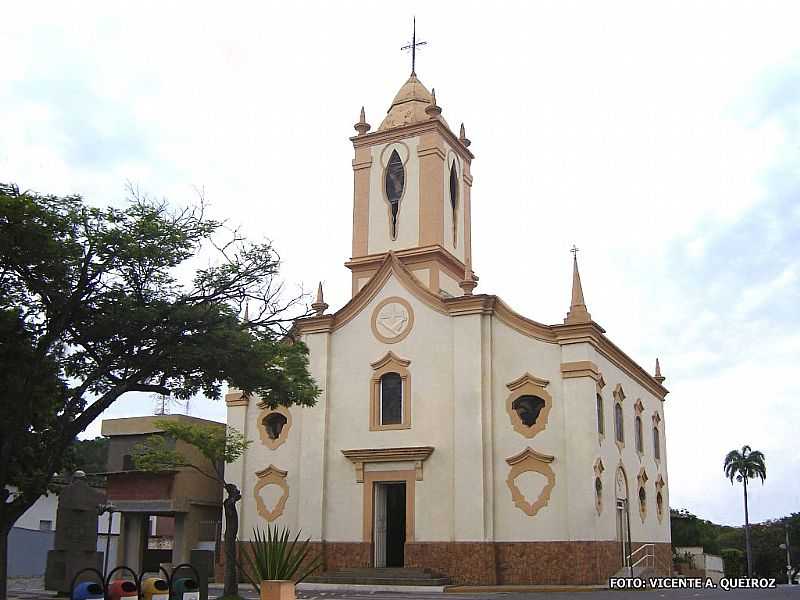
x,y
32,588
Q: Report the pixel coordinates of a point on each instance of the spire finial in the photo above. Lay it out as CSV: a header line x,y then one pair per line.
x,y
362,126
319,306
577,309
658,376
469,282
413,47
246,312
462,136
432,110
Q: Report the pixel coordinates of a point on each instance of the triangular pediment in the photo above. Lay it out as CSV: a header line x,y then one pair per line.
x,y
391,267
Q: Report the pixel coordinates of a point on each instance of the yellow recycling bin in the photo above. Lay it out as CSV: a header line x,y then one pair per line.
x,y
155,588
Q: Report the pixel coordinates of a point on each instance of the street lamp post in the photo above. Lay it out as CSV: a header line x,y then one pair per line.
x,y
110,509
787,547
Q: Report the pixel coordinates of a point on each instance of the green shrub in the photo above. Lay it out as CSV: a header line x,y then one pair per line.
x,y
274,556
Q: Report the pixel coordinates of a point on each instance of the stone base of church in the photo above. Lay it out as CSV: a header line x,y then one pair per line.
x,y
499,563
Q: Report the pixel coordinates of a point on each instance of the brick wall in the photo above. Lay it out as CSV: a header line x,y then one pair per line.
x,y
498,563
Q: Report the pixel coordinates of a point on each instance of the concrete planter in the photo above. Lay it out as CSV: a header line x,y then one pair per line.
x,y
277,590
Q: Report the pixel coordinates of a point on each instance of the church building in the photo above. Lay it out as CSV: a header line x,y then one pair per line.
x,y
452,433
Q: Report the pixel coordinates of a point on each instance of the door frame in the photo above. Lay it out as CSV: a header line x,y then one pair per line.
x,y
409,477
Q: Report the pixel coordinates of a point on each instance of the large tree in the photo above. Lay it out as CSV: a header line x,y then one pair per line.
x,y
219,446
99,302
744,465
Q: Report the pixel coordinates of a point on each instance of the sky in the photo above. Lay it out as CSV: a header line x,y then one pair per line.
x,y
661,138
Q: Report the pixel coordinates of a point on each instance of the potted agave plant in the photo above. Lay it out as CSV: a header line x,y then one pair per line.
x,y
275,563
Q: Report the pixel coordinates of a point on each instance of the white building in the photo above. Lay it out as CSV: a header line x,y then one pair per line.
x,y
453,433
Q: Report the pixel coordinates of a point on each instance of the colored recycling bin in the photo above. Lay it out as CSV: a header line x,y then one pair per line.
x,y
185,588
155,588
122,588
88,590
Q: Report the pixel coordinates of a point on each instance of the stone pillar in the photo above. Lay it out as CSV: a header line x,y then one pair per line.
x,y
133,540
180,544
311,501
581,447
469,485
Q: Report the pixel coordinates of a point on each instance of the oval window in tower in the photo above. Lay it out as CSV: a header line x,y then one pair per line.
x,y
395,182
454,196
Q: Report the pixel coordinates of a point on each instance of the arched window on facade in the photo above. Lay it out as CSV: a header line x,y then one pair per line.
x,y
619,432
395,182
656,444
391,401
601,428
638,434
454,196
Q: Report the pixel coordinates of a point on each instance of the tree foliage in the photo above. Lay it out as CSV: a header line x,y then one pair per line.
x,y
220,445
92,307
745,464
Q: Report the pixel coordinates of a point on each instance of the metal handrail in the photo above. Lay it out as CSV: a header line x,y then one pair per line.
x,y
650,553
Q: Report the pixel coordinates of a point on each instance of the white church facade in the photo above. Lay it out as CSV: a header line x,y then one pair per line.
x,y
453,433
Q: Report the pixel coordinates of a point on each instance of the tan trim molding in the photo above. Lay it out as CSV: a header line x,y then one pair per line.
x,y
373,477
530,461
580,368
390,363
271,476
236,398
407,326
270,443
415,454
531,385
392,263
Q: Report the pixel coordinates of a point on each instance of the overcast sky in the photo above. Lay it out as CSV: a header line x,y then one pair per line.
x,y
661,138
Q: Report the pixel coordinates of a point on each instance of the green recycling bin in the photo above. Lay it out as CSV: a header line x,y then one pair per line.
x,y
185,588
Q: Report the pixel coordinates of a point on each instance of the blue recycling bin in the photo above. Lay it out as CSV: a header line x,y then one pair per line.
x,y
87,590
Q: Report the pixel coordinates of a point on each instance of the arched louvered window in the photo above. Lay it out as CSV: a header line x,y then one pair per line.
x,y
395,182
454,196
618,424
391,399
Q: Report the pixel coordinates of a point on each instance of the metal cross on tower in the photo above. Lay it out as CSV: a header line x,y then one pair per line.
x,y
574,251
413,47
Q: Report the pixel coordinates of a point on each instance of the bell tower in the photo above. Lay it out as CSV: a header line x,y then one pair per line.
x,y
411,194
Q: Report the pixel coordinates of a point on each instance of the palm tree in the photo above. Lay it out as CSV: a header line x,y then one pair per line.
x,y
743,465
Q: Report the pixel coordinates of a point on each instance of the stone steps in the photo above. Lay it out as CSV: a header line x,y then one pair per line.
x,y
384,576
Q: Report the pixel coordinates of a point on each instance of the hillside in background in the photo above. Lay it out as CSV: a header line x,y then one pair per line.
x,y
769,560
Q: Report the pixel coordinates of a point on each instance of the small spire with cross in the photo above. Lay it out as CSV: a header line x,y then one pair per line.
x,y
577,309
413,47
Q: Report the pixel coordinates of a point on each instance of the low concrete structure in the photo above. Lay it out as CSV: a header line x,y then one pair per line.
x,y
700,564
191,499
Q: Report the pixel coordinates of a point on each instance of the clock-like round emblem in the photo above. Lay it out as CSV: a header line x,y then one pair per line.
x,y
392,320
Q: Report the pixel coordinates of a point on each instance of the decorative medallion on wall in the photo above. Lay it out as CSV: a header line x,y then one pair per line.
x,y
274,425
530,461
271,477
528,405
660,497
598,485
392,320
642,480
